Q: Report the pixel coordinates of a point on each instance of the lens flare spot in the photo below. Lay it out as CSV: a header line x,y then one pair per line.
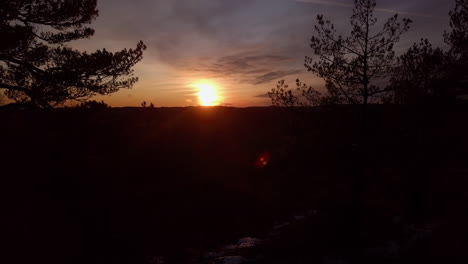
x,y
263,160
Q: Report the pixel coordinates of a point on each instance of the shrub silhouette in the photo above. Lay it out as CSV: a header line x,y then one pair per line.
x,y
94,105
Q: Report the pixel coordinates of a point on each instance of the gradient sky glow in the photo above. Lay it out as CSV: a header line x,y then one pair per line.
x,y
243,47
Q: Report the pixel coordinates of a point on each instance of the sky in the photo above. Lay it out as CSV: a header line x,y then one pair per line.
x,y
239,48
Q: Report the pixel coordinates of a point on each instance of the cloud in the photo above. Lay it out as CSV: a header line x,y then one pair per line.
x,y
394,11
247,63
247,67
268,77
383,10
328,3
265,95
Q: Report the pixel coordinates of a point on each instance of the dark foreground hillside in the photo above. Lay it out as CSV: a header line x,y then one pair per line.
x,y
137,185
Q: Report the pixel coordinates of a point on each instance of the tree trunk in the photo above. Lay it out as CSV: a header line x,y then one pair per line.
x,y
366,92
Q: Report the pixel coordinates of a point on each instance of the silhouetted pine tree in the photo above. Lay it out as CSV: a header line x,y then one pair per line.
x,y
38,68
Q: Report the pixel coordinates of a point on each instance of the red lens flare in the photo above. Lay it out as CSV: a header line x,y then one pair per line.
x,y
262,161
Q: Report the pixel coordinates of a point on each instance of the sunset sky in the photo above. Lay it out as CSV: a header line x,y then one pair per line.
x,y
240,48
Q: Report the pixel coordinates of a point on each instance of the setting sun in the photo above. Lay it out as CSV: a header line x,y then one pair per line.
x,y
207,94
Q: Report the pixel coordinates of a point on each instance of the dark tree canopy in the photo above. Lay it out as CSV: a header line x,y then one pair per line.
x,y
308,95
422,75
38,68
457,38
350,65
431,75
